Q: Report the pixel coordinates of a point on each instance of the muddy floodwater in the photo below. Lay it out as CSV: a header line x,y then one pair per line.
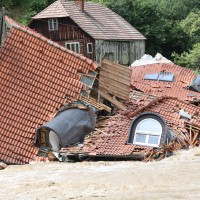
x,y
176,177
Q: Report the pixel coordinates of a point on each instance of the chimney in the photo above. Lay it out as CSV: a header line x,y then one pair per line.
x,y
80,4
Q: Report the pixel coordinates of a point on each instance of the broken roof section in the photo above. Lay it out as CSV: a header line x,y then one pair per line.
x,y
111,140
37,75
165,79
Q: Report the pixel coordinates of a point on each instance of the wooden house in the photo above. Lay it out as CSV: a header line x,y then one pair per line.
x,y
90,29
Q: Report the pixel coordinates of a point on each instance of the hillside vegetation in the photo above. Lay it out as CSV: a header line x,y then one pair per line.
x,y
171,27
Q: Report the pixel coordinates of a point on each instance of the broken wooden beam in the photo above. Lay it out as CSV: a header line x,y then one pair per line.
x,y
112,100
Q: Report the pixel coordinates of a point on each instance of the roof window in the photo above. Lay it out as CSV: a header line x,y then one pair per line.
x,y
161,76
148,132
148,129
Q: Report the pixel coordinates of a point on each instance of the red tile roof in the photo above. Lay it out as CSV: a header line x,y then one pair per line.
x,y
177,88
36,76
96,20
169,108
111,140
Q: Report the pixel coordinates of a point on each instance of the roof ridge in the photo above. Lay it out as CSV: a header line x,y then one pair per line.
x,y
62,5
47,7
156,100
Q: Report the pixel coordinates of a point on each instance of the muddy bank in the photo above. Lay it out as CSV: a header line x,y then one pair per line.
x,y
177,177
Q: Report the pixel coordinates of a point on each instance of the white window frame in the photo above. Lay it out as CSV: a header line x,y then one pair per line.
x,y
89,52
75,45
147,134
53,24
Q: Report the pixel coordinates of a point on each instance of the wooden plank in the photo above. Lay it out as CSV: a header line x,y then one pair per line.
x,y
115,79
116,66
120,95
115,86
112,100
115,92
115,76
94,103
107,81
113,69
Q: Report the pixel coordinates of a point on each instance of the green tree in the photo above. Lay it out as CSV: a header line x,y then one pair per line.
x,y
190,59
158,21
191,26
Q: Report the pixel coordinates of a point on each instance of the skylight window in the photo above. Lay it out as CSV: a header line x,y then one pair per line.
x,y
166,76
161,76
151,77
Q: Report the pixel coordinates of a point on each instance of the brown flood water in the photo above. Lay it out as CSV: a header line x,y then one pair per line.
x,y
176,177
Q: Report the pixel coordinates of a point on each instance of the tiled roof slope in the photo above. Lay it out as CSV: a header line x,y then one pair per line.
x,y
112,139
169,108
97,20
36,76
56,10
177,88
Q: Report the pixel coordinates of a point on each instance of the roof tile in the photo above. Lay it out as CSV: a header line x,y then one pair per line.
x,y
33,84
176,88
112,140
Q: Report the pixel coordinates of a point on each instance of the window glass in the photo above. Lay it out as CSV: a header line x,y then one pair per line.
x,y
141,138
148,132
161,76
149,125
89,48
166,76
153,139
68,46
73,46
151,76
53,24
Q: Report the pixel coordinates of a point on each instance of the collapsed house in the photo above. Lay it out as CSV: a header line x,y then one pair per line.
x,y
38,77
48,88
134,134
162,115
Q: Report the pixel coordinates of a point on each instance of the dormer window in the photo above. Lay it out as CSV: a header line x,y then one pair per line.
x,y
148,132
148,129
53,24
161,76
